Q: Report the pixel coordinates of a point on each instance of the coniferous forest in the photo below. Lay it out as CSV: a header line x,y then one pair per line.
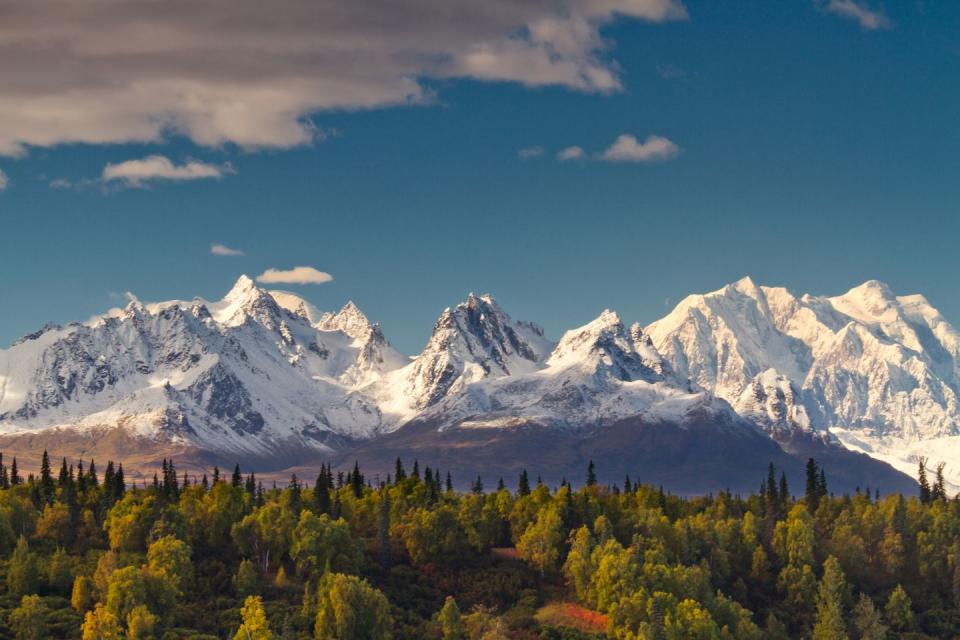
x,y
348,557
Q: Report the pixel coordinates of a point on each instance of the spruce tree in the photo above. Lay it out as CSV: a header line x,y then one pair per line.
x,y
784,491
92,480
47,488
523,486
591,475
449,482
400,475
923,482
15,478
356,480
237,479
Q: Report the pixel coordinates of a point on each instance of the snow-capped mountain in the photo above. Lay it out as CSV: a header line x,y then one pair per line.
x,y
877,371
245,375
266,378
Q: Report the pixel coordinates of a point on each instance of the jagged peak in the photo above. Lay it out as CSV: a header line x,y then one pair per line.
x,y
350,320
241,288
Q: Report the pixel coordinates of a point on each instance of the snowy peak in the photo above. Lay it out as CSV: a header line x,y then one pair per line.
x,y
246,302
350,320
474,340
603,345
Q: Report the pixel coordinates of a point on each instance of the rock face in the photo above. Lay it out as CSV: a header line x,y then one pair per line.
x,y
877,371
265,378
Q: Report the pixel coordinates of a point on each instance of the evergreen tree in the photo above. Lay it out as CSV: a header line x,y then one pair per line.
x,y
15,478
415,474
899,610
591,474
523,486
923,482
939,491
867,621
64,476
23,575
216,474
236,480
356,480
92,480
29,620
449,482
477,486
784,491
400,475
321,492
47,487
627,486
451,622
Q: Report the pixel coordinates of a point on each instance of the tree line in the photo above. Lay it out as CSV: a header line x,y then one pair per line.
x,y
407,556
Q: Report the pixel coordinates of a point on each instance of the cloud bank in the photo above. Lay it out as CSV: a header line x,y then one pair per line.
x,y
297,275
252,73
151,168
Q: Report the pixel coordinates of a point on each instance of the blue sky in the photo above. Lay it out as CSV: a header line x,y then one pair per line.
x,y
816,150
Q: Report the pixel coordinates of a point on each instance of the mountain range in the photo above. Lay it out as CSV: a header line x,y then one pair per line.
x,y
700,400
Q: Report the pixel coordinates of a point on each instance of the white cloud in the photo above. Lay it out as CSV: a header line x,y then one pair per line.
x,y
626,148
138,172
60,183
570,153
4,181
869,19
113,71
218,249
297,275
530,152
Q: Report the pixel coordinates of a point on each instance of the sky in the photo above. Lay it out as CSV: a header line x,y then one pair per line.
x,y
565,157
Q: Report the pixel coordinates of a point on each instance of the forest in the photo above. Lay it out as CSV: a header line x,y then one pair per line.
x,y
350,557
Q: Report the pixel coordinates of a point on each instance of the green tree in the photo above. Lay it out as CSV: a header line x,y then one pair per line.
x,y
265,534
254,625
23,575
451,622
127,590
60,572
169,559
899,610
246,582
350,609
432,536
540,543
320,543
867,621
29,620
830,618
